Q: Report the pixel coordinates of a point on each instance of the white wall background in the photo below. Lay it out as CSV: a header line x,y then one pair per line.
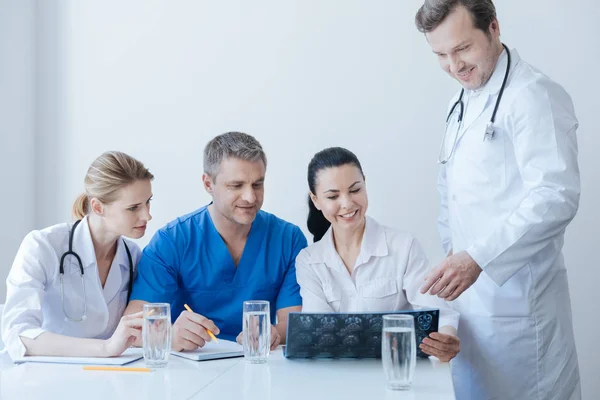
x,y
17,126
158,79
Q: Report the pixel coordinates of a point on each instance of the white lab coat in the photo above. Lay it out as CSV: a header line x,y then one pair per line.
x,y
33,299
507,202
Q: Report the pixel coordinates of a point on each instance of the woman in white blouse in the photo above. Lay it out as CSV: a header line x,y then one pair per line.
x,y
356,264
69,283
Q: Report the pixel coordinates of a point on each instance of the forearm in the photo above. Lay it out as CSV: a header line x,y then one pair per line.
x,y
52,344
448,330
134,306
282,318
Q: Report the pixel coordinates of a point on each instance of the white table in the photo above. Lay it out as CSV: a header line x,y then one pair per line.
x,y
233,378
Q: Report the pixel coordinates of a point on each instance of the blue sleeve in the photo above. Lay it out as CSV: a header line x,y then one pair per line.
x,y
156,280
289,293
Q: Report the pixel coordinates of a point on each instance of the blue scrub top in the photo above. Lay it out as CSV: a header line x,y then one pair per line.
x,y
187,261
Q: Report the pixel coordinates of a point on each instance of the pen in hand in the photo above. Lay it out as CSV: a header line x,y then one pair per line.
x,y
212,335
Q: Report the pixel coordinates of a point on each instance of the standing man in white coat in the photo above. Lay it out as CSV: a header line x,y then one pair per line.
x,y
509,186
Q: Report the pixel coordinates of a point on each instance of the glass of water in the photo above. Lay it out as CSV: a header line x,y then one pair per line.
x,y
399,350
256,331
156,334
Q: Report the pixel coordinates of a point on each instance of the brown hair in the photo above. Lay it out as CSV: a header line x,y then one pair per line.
x,y
433,12
107,174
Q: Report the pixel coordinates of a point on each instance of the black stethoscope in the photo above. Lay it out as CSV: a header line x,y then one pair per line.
x,y
70,252
459,105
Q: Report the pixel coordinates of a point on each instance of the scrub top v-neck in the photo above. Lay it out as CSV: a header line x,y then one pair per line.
x,y
187,261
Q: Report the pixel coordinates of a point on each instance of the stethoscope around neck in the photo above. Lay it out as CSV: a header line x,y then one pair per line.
x,y
70,252
459,105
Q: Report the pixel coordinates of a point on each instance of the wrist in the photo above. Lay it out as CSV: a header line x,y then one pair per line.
x,y
448,330
103,348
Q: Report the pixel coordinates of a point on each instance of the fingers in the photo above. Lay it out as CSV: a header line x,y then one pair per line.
x,y
448,290
445,347
432,351
133,333
200,320
275,338
444,338
431,278
132,316
436,344
181,335
137,322
239,338
183,344
188,321
444,281
457,292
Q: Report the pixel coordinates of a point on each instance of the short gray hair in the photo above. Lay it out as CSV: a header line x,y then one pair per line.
x,y
231,144
433,12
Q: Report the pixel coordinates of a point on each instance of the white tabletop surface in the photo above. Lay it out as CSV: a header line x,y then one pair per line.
x,y
233,378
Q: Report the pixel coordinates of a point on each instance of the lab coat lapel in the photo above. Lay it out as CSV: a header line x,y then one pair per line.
x,y
474,109
83,245
119,269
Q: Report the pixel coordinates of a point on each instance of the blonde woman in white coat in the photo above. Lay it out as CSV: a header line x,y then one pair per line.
x,y
356,264
69,283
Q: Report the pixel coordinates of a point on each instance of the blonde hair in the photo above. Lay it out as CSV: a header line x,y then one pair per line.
x,y
107,174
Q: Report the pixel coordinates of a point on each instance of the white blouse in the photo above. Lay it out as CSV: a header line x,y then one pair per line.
x,y
387,275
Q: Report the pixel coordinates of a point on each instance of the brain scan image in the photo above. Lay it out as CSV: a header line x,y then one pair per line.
x,y
351,340
376,323
327,339
304,338
353,323
306,322
343,335
375,340
424,321
328,323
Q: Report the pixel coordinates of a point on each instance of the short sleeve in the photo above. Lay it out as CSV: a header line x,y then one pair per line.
x,y
157,271
289,293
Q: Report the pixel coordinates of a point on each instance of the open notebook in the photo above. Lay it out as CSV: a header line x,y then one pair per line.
x,y
130,355
213,351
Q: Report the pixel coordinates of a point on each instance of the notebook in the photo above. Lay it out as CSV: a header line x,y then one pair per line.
x,y
348,335
213,351
130,355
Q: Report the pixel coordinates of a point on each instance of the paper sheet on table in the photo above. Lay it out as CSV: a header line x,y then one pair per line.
x,y
130,355
213,351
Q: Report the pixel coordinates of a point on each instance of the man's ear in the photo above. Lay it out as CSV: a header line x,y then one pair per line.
x,y
208,183
96,206
494,27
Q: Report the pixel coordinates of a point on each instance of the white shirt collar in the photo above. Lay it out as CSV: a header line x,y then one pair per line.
x,y
373,244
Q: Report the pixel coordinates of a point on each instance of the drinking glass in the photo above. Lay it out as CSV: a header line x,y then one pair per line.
x,y
399,350
256,331
156,334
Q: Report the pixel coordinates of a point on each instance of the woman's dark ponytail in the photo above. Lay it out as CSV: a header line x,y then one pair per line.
x,y
316,221
331,157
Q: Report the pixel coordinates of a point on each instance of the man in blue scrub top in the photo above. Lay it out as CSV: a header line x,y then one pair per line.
x,y
220,255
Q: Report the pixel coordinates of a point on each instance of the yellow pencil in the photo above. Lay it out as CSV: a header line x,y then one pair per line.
x,y
212,335
127,369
